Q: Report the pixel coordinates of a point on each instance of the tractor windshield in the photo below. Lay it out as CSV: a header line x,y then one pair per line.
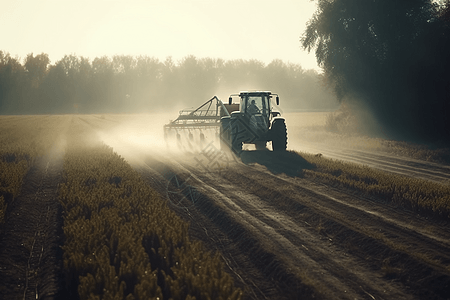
x,y
257,105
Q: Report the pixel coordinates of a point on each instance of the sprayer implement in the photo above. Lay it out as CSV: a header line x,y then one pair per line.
x,y
197,125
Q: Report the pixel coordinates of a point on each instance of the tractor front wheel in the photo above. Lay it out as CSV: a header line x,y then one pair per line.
x,y
279,135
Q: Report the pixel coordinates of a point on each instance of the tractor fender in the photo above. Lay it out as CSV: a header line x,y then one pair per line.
x,y
277,119
225,119
237,114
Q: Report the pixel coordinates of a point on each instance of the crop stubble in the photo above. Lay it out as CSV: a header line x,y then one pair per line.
x,y
286,237
316,241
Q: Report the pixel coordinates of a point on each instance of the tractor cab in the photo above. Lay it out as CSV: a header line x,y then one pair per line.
x,y
253,122
256,105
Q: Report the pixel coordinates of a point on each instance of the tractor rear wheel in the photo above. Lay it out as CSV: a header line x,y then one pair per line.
x,y
279,135
236,142
225,134
237,147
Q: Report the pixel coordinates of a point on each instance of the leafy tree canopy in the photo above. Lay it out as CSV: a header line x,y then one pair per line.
x,y
391,56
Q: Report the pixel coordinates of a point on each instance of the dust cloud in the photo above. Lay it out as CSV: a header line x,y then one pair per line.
x,y
136,135
139,136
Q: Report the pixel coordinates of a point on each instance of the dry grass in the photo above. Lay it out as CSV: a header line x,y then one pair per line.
x,y
22,140
424,197
122,240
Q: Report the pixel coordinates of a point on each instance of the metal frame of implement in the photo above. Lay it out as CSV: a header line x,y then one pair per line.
x,y
206,115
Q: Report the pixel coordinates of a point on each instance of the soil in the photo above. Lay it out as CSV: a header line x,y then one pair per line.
x,y
286,237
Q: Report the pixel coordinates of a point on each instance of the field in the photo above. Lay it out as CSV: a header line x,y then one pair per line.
x,y
101,207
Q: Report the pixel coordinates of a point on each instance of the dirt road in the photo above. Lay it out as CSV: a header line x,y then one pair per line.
x,y
288,237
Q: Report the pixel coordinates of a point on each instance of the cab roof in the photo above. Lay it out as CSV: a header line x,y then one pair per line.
x,y
254,93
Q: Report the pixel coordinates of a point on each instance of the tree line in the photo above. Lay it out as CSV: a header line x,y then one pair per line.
x,y
388,57
128,84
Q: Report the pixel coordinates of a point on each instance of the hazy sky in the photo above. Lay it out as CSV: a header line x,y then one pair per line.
x,y
228,29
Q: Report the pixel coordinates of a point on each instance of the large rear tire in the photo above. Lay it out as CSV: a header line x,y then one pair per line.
x,y
237,147
225,134
279,135
236,142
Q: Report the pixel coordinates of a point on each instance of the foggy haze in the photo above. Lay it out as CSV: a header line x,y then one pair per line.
x,y
126,84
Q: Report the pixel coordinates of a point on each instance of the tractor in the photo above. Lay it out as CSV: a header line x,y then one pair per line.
x,y
252,121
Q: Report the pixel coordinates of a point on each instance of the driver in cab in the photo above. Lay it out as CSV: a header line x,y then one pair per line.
x,y
252,108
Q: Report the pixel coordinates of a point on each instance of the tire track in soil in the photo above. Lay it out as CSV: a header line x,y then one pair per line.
x,y
393,164
291,228
424,256
218,232
247,254
30,253
251,243
349,209
309,256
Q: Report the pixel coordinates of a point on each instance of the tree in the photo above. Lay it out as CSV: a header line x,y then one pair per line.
x,y
382,54
191,80
139,84
11,84
103,82
148,82
36,67
56,92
